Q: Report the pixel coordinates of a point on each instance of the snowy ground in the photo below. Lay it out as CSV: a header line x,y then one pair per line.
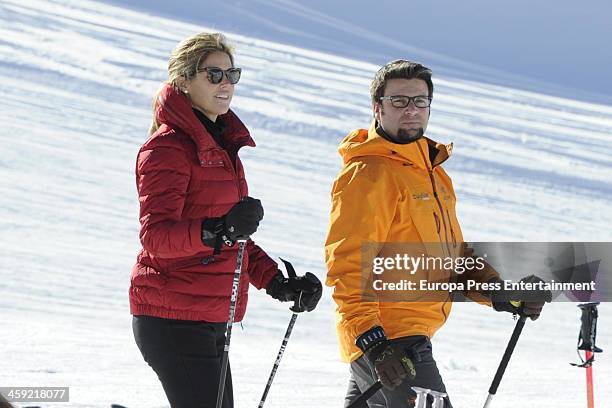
x,y
77,81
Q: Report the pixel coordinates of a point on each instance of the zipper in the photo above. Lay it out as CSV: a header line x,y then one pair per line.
x,y
452,229
440,238
437,219
228,162
435,191
442,308
233,170
437,222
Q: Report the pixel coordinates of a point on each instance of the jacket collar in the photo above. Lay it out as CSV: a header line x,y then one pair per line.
x,y
424,152
175,110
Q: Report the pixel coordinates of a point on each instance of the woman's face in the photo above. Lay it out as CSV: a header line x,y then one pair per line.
x,y
211,99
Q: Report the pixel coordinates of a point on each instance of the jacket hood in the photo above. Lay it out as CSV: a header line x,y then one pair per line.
x,y
367,142
174,110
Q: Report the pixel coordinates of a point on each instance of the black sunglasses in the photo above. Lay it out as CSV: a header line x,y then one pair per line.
x,y
215,74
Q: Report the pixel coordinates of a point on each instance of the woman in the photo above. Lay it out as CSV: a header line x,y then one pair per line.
x,y
194,205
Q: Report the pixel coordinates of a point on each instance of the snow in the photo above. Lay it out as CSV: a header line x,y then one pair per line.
x,y
78,77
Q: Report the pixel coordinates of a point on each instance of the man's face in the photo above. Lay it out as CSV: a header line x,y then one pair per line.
x,y
403,125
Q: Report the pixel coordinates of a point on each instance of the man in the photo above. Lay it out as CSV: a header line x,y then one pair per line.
x,y
393,189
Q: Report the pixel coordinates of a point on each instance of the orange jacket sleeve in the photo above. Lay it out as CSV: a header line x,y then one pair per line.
x,y
364,200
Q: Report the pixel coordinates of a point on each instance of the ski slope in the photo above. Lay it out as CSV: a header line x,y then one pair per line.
x,y
78,77
546,46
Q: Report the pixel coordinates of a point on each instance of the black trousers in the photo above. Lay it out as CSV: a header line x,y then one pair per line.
x,y
186,356
427,376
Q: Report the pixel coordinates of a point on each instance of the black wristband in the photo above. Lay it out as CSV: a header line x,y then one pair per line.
x,y
371,338
212,233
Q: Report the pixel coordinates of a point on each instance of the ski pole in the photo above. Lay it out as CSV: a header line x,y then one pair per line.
x,y
230,320
421,397
586,342
278,360
589,381
438,398
363,398
588,332
291,273
505,359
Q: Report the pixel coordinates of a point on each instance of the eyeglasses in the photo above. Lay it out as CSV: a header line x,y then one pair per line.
x,y
401,101
215,74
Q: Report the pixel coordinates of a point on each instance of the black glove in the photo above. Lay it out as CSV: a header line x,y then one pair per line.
x,y
241,221
305,290
524,302
390,360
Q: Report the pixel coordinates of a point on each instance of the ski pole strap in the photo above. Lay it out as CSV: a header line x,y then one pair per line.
x,y
507,354
297,303
289,268
361,401
585,363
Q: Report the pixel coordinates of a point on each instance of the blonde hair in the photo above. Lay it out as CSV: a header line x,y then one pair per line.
x,y
185,61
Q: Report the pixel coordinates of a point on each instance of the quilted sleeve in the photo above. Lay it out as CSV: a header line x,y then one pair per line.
x,y
162,180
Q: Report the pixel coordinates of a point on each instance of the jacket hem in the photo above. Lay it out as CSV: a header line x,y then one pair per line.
x,y
156,311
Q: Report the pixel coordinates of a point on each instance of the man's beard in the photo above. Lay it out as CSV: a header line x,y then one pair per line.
x,y
405,136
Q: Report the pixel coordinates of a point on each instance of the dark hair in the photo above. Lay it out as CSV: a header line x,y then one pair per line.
x,y
399,69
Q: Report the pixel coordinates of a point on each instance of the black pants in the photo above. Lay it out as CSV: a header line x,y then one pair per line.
x,y
186,355
427,376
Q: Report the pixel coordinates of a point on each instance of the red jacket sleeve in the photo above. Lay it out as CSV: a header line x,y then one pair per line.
x,y
162,179
262,268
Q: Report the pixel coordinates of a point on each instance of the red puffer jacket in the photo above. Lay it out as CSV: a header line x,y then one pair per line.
x,y
183,177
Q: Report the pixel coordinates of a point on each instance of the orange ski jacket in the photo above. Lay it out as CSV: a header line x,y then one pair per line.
x,y
389,193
